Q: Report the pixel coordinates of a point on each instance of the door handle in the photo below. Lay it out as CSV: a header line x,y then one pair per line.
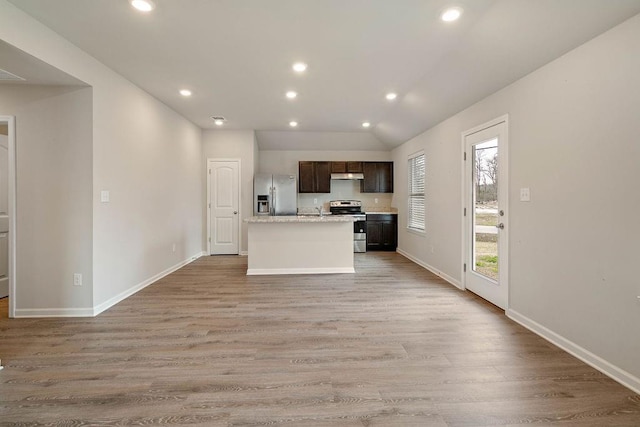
x,y
500,226
274,201
235,212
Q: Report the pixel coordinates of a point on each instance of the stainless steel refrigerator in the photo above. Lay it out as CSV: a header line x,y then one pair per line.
x,y
275,194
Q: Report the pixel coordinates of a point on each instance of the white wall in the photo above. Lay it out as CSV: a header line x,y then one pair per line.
x,y
54,196
300,140
241,145
286,162
256,157
149,159
145,154
439,247
573,134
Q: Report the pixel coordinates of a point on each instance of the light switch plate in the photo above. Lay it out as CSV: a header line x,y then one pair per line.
x,y
525,195
104,196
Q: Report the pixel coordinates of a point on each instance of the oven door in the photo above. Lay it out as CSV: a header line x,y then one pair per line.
x,y
359,236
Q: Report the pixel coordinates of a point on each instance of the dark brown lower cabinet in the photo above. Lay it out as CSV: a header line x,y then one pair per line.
x,y
382,232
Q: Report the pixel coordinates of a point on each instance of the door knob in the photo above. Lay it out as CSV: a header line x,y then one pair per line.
x,y
235,212
500,226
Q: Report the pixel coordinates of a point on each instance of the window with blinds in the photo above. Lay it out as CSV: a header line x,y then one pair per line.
x,y
416,210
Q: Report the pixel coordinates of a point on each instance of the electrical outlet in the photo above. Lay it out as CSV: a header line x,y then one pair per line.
x,y
174,247
77,279
315,201
525,195
376,200
104,196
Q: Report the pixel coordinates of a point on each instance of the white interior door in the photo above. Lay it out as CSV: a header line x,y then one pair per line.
x,y
4,215
485,269
224,202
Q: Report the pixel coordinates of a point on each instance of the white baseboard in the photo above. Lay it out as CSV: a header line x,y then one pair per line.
x,y
623,377
434,270
270,271
121,296
240,253
94,311
54,312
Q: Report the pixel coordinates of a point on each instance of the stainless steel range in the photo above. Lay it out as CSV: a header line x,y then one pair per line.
x,y
354,209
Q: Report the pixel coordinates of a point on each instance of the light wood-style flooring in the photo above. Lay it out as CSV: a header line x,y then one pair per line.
x,y
392,345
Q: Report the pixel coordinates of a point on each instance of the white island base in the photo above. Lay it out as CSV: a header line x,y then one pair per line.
x,y
300,245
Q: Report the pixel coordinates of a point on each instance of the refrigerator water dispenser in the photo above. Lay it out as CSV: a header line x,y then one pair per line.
x,y
263,205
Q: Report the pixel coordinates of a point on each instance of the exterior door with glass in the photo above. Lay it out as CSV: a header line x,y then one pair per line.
x,y
4,215
485,268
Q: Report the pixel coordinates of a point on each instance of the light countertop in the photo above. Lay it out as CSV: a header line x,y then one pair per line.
x,y
298,219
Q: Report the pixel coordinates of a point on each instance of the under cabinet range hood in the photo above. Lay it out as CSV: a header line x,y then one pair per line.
x,y
343,176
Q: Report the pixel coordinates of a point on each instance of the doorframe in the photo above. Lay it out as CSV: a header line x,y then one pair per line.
x,y
11,136
503,150
208,177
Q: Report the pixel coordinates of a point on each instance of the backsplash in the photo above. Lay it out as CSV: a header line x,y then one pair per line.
x,y
344,190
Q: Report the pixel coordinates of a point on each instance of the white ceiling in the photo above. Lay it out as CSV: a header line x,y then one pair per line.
x,y
236,56
31,69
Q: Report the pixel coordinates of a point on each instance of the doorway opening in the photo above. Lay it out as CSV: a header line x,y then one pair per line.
x,y
7,215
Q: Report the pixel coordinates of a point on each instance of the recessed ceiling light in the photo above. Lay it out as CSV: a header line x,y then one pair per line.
x,y
293,124
451,14
291,94
185,92
218,120
391,96
143,5
366,124
299,67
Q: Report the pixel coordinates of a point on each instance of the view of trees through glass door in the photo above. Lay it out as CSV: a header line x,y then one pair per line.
x,y
485,215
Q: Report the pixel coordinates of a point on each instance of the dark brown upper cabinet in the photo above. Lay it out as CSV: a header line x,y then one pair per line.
x,y
314,177
346,167
378,177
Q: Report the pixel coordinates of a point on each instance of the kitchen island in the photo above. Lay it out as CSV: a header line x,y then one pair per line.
x,y
300,245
